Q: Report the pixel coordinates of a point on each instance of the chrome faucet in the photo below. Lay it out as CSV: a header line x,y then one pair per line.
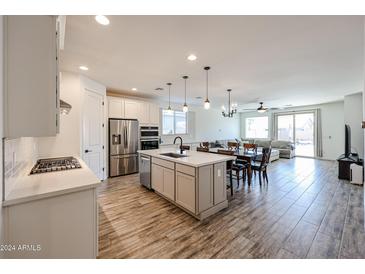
x,y
181,142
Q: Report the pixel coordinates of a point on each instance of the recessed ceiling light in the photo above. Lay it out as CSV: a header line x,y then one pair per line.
x,y
192,57
134,89
102,19
83,68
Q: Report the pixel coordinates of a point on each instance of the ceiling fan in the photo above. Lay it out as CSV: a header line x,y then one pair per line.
x,y
261,108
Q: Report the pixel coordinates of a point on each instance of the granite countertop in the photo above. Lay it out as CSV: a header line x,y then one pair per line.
x,y
194,158
38,186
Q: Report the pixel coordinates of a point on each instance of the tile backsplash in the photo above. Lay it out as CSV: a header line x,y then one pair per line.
x,y
19,155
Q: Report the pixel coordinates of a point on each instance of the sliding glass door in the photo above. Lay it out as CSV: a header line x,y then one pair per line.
x,y
297,127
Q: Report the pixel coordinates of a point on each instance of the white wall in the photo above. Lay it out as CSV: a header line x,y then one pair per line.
x,y
332,126
205,125
67,142
353,117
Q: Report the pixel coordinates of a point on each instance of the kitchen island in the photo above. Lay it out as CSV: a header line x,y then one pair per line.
x,y
193,181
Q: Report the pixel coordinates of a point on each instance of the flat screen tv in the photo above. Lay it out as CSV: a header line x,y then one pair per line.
x,y
347,141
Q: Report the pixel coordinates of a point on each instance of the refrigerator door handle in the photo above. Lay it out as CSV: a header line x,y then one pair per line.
x,y
125,137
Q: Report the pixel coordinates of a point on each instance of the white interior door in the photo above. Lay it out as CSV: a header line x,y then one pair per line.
x,y
93,132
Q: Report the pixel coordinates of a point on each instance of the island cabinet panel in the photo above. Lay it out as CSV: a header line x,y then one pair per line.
x,y
185,169
163,181
220,189
163,163
205,187
185,191
169,183
157,178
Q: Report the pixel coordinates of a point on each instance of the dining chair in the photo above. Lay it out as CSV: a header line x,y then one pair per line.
x,y
202,149
261,167
233,166
250,148
204,144
233,145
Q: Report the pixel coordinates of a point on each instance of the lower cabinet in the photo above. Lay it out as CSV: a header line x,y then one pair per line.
x,y
201,191
185,191
157,178
163,181
59,227
169,183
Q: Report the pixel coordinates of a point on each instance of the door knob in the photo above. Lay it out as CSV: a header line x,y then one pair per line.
x,y
87,151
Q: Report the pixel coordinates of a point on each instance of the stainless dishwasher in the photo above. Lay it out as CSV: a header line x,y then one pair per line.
x,y
145,170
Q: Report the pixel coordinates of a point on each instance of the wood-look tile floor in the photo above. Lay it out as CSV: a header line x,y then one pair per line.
x,y
304,212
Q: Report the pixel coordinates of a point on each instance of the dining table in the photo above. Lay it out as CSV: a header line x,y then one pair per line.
x,y
241,154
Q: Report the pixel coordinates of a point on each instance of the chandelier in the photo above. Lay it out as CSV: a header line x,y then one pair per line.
x,y
232,108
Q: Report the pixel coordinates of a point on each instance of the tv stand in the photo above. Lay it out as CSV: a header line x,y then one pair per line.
x,y
344,162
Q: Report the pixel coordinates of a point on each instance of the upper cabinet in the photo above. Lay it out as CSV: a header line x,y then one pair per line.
x,y
31,76
145,112
115,107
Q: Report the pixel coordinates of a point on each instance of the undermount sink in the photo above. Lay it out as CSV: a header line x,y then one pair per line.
x,y
173,155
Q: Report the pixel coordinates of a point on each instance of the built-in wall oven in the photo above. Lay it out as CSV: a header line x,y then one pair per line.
x,y
149,137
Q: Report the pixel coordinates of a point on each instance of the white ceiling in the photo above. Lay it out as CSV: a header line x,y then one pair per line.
x,y
280,60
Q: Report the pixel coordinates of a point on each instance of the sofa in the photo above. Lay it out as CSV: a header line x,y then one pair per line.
x,y
285,149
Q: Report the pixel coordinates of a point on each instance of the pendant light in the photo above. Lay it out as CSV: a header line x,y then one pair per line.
x,y
169,107
232,109
206,102
185,106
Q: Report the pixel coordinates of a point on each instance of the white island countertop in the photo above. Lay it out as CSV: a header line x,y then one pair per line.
x,y
194,158
38,186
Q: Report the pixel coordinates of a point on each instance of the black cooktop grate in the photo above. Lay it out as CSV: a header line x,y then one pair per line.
x,y
55,164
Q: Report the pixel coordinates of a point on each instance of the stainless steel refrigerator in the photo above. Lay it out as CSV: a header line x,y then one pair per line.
x,y
123,146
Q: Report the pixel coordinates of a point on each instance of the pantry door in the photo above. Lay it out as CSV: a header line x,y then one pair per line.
x,y
93,132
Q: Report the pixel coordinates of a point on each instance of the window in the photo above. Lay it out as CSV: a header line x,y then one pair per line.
x,y
298,127
257,127
174,122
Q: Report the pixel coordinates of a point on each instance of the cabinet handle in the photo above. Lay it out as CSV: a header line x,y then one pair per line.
x,y
87,151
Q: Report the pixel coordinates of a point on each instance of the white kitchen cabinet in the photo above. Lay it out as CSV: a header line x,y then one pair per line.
x,y
145,112
60,227
169,183
163,181
154,114
115,107
185,191
131,109
144,115
31,76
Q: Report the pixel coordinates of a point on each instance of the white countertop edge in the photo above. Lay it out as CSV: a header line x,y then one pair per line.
x,y
156,154
35,197
94,182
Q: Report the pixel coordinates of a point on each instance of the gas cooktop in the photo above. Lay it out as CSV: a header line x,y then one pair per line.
x,y
55,164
